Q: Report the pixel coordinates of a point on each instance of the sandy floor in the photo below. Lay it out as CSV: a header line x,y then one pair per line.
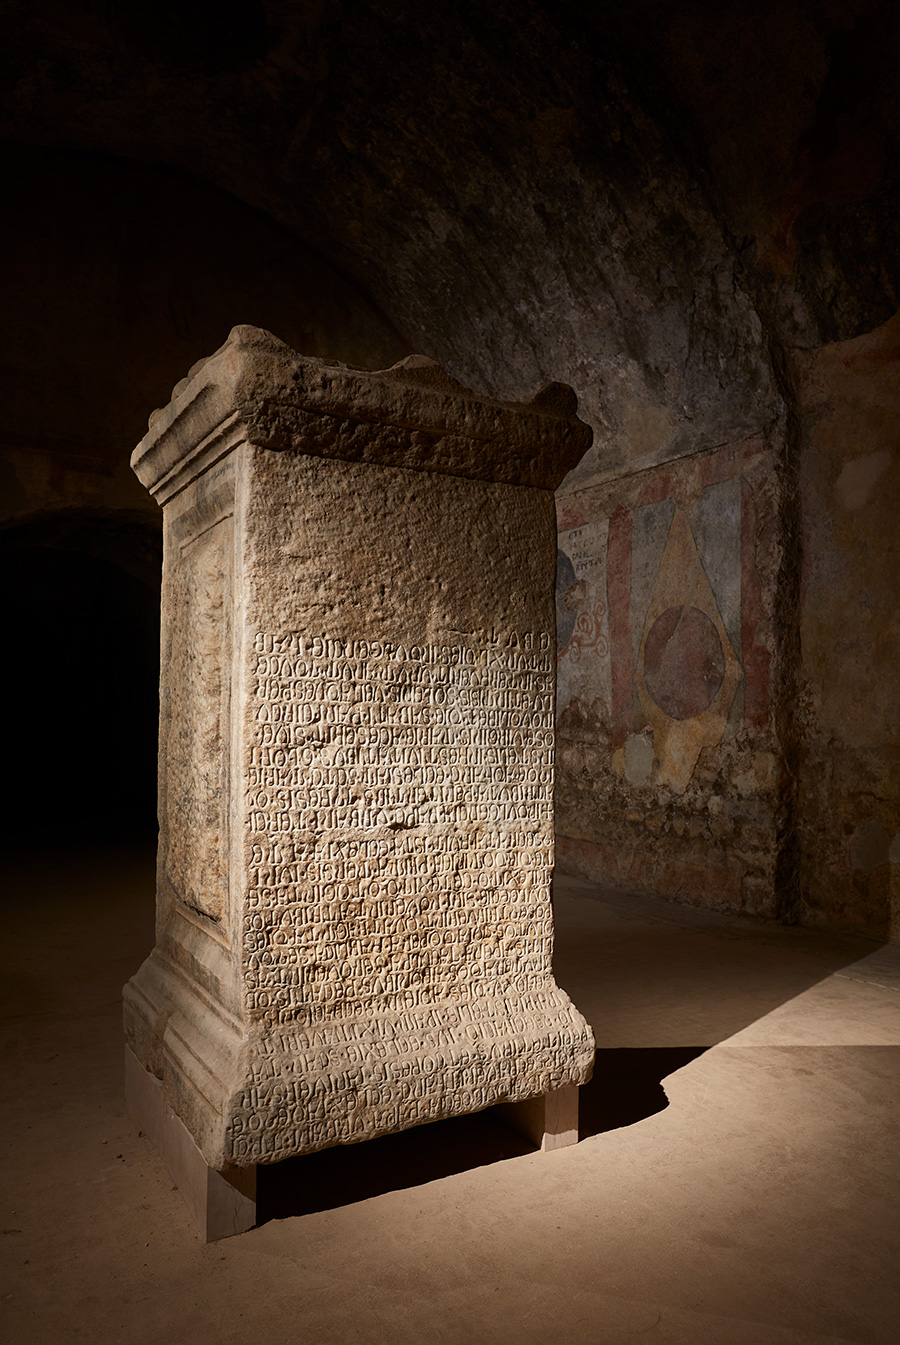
x,y
739,1183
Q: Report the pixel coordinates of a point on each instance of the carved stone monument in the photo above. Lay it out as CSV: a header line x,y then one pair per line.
x,y
354,929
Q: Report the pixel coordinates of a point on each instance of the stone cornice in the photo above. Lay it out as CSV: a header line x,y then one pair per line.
x,y
256,390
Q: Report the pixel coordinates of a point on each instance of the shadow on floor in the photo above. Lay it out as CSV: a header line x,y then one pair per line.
x,y
349,1173
626,1087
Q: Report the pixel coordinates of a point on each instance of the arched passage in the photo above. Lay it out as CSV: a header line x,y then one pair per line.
x,y
80,683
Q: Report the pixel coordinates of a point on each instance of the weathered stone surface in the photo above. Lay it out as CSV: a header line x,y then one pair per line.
x,y
412,415
849,800
551,226
356,762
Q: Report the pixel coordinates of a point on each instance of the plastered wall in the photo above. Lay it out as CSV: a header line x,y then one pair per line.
x,y
849,798
669,765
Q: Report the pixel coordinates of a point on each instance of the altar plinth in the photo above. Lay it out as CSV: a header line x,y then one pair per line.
x,y
354,929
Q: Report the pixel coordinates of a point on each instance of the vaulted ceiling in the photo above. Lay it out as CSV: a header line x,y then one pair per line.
x,y
652,201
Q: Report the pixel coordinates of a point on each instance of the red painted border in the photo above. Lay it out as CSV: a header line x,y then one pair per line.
x,y
618,586
756,657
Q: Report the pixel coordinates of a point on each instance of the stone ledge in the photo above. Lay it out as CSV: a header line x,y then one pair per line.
x,y
256,390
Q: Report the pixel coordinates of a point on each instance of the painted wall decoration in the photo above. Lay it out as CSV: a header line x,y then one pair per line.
x,y
665,675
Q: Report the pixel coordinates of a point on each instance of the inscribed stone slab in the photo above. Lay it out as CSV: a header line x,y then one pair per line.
x,y
354,930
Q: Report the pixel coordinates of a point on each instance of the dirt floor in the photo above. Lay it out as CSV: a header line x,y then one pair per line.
x,y
737,1181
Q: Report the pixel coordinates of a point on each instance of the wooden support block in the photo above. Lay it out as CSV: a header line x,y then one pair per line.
x,y
550,1121
221,1203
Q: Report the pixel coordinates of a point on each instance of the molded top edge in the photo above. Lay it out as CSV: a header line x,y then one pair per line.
x,y
419,417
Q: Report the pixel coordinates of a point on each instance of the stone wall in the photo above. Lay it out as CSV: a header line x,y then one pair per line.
x,y
780,796
849,803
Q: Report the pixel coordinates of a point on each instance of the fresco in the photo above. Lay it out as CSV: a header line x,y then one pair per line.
x,y
664,655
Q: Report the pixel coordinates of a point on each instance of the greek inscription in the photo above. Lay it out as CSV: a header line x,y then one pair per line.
x,y
398,803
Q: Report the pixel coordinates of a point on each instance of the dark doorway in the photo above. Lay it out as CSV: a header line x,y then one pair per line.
x,y
80,693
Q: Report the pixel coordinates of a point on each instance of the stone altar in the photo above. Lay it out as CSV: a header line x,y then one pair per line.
x,y
354,930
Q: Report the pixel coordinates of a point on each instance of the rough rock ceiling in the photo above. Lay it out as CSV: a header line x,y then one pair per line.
x,y
648,204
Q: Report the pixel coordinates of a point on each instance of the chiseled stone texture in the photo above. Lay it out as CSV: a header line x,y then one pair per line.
x,y
356,752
